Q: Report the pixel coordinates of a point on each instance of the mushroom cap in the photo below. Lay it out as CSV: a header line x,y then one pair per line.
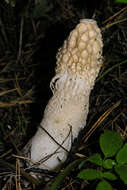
x,y
81,54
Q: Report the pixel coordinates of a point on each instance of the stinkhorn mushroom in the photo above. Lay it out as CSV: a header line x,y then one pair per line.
x,y
78,65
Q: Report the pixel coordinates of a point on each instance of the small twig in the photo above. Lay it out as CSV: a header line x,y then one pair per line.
x,y
14,103
113,23
20,39
3,80
15,146
6,153
53,138
59,146
24,158
100,120
18,185
7,91
116,14
34,27
17,86
110,69
26,175
80,155
3,32
43,171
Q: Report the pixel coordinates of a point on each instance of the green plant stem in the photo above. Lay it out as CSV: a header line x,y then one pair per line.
x,y
110,69
63,174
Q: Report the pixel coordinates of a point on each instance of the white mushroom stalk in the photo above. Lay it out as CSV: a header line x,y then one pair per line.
x,y
78,65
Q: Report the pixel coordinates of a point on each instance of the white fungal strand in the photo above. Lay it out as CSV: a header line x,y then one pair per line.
x,y
78,64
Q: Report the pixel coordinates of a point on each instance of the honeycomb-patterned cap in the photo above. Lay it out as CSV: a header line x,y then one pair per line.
x,y
81,53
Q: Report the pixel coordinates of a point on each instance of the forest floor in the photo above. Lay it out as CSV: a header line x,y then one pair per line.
x,y
30,35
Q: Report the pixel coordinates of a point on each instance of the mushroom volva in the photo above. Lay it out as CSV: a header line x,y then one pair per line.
x,y
78,64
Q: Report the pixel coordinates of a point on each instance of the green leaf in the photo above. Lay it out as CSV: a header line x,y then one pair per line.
x,y
108,163
122,172
109,175
12,3
121,1
121,157
110,143
90,174
103,185
96,159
